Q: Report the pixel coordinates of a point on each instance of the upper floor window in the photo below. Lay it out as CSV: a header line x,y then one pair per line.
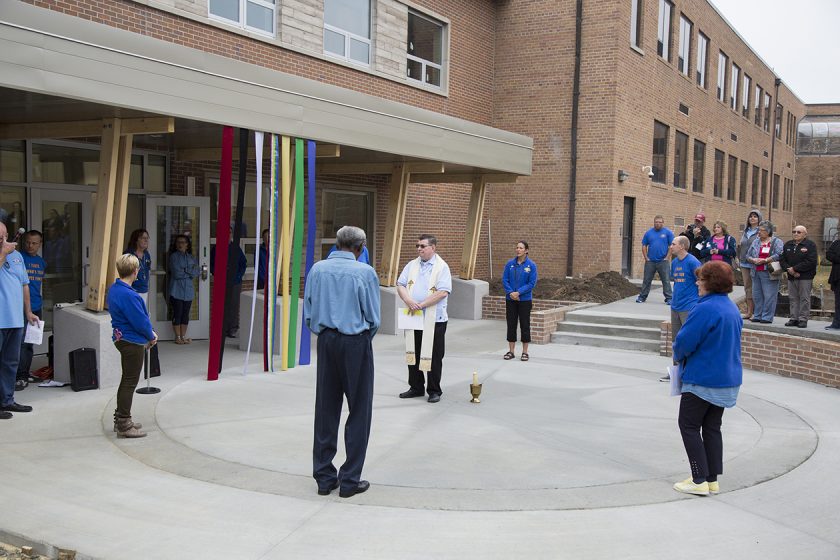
x,y
733,88
663,43
636,23
685,45
699,177
745,103
425,49
702,59
759,95
347,27
723,62
779,111
253,15
718,178
680,160
768,99
660,151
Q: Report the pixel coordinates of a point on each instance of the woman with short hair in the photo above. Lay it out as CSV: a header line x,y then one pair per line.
x,y
765,250
708,351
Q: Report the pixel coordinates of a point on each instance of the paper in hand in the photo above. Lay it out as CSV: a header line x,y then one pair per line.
x,y
34,333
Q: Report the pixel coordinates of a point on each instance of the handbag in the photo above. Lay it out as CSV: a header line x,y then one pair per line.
x,y
775,269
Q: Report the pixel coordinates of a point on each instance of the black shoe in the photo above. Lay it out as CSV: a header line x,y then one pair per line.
x,y
15,407
754,320
326,491
667,301
832,328
763,322
411,393
362,486
802,324
21,384
434,398
792,323
665,378
5,415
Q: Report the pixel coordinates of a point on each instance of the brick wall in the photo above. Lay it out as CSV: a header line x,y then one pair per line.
x,y
545,314
814,360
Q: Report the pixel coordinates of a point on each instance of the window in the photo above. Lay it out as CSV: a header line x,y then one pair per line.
x,y
745,173
732,172
718,179
253,15
660,151
745,103
425,49
767,100
699,166
723,62
754,195
764,187
685,45
636,23
663,44
12,161
787,203
792,130
342,207
779,111
733,87
347,29
759,94
702,59
680,160
774,194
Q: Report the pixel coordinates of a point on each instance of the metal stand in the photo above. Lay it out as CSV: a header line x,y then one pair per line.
x,y
147,390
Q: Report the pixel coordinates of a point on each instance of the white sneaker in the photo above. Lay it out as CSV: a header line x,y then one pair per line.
x,y
688,486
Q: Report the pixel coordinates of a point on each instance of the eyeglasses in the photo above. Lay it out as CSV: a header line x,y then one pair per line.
x,y
419,246
797,231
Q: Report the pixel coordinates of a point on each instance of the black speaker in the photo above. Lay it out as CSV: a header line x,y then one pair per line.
x,y
83,373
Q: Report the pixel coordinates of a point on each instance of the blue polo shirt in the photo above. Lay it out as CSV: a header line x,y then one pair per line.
x,y
685,282
141,285
35,268
12,277
658,243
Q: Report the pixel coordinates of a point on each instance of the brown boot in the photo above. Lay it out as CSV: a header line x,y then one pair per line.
x,y
125,428
137,425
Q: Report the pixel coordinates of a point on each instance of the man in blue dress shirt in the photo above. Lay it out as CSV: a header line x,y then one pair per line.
x,y
341,305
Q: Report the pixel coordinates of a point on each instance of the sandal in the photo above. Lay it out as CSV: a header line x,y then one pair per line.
x,y
509,356
524,357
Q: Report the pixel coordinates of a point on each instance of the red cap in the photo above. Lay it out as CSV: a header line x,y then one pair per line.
x,y
700,216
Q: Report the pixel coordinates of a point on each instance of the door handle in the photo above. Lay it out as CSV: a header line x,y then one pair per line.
x,y
204,271
84,274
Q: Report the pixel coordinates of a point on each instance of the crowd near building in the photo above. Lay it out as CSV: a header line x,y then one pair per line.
x,y
568,123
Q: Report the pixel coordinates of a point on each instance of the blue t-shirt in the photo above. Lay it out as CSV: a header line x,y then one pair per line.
x,y
685,283
141,285
35,268
12,277
658,243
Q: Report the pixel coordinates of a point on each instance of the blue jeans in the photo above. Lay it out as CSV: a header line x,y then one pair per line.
x,y
663,268
765,295
10,340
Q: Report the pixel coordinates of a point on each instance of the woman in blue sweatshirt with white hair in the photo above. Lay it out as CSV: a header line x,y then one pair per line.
x,y
708,349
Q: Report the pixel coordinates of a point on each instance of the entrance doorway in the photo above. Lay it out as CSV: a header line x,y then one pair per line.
x,y
64,217
627,236
166,217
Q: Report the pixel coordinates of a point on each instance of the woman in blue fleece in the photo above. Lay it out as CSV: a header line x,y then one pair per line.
x,y
708,349
132,334
518,280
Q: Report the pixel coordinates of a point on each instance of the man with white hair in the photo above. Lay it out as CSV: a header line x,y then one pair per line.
x,y
799,259
15,313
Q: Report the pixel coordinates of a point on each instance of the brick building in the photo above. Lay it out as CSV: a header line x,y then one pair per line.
x,y
818,172
421,107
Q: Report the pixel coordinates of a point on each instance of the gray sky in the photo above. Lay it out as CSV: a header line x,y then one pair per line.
x,y
799,39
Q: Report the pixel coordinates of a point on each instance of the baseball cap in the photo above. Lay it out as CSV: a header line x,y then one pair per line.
x,y
700,216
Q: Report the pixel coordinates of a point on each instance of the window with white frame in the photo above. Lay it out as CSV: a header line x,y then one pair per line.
x,y
347,30
745,103
733,87
425,49
685,45
253,15
723,63
702,58
636,23
663,42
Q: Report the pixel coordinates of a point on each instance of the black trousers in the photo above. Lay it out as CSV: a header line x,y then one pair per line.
x,y
26,352
836,321
700,422
345,368
432,382
518,311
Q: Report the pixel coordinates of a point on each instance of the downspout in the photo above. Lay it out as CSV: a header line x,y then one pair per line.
x,y
773,145
570,236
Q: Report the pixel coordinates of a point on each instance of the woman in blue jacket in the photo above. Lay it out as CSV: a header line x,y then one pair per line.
x,y
183,268
765,250
720,246
132,334
708,349
138,245
519,279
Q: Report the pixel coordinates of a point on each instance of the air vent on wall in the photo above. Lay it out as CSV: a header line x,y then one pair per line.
x,y
683,109
766,154
733,136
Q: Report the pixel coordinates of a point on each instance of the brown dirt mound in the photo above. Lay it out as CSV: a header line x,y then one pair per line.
x,y
605,287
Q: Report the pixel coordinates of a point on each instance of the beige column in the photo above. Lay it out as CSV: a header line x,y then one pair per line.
x,y
390,261
476,211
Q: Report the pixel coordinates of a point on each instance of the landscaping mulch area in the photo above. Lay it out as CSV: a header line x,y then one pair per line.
x,y
604,287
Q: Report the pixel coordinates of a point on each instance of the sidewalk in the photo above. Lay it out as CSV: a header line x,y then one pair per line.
x,y
569,455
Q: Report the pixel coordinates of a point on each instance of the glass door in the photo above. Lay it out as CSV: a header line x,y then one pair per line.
x,y
64,217
167,217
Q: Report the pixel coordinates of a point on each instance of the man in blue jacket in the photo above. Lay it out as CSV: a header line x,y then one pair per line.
x,y
655,247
